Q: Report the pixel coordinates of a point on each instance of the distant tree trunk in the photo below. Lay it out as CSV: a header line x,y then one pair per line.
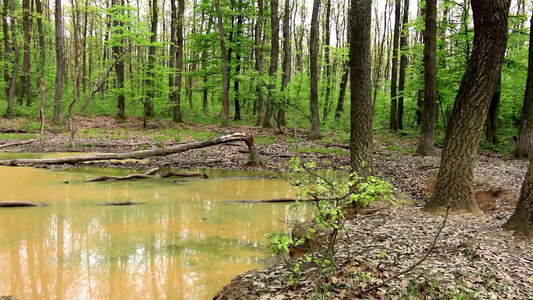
x,y
426,143
179,62
393,124
403,63
524,143
13,82
313,53
454,183
238,66
148,102
25,78
42,47
380,55
172,51
119,66
419,105
522,218
286,62
7,48
274,59
327,60
60,62
492,116
225,79
361,110
342,91
258,62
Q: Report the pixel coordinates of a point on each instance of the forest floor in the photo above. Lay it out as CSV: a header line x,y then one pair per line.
x,y
473,258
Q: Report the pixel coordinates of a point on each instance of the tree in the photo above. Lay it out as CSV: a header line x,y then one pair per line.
x,y
524,143
393,124
454,183
274,59
522,218
148,102
313,53
286,77
403,64
179,63
25,78
13,81
327,60
119,66
258,61
491,131
60,62
426,143
361,109
225,79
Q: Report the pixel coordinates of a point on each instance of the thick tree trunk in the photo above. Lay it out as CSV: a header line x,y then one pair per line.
x,y
361,110
426,143
491,132
258,62
225,79
524,144
403,64
393,124
247,138
274,59
522,218
60,62
313,55
454,184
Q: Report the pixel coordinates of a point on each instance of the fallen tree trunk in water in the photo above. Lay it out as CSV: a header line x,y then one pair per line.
x,y
276,200
247,138
18,203
148,174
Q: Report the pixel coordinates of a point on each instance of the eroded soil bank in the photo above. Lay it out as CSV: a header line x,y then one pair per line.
x,y
473,257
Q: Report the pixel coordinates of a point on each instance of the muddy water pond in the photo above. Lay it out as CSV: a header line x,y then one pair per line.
x,y
184,242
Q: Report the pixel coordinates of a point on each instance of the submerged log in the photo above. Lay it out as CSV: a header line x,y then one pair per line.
x,y
16,203
122,203
247,138
275,200
111,177
148,174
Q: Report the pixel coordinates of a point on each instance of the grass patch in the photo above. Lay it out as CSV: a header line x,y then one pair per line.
x,y
265,139
308,150
17,136
400,150
197,135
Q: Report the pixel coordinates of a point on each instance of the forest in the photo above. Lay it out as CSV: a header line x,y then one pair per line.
x,y
404,129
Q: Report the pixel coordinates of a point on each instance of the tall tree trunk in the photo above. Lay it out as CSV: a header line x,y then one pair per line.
x,y
286,77
179,62
148,102
60,63
327,60
426,143
225,79
84,55
522,218
172,51
524,143
393,124
12,84
491,132
403,63
454,184
258,62
25,78
42,47
7,48
119,66
313,53
381,51
342,91
238,65
274,59
361,110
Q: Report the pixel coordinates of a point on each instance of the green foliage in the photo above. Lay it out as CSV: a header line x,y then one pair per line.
x,y
318,150
17,136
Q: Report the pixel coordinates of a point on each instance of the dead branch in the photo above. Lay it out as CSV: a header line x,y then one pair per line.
x,y
247,138
17,143
17,203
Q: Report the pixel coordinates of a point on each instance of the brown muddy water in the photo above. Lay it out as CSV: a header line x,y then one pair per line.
x,y
185,242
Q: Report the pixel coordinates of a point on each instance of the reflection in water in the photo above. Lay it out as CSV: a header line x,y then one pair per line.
x,y
184,243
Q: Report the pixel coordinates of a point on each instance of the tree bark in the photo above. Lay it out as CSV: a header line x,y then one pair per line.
x,y
491,132
13,81
237,107
274,59
393,124
342,91
42,47
454,184
313,56
522,219
60,63
327,40
225,79
524,143
286,77
148,102
361,110
25,78
258,63
177,117
426,143
119,66
403,64
247,138
7,48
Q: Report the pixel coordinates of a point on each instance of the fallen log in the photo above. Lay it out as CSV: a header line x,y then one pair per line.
x,y
275,200
16,203
148,174
247,138
183,174
122,203
111,177
17,143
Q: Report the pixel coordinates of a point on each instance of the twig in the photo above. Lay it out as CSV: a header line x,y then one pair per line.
x,y
416,264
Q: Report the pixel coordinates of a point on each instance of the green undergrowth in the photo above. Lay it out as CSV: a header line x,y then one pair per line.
x,y
316,150
17,136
